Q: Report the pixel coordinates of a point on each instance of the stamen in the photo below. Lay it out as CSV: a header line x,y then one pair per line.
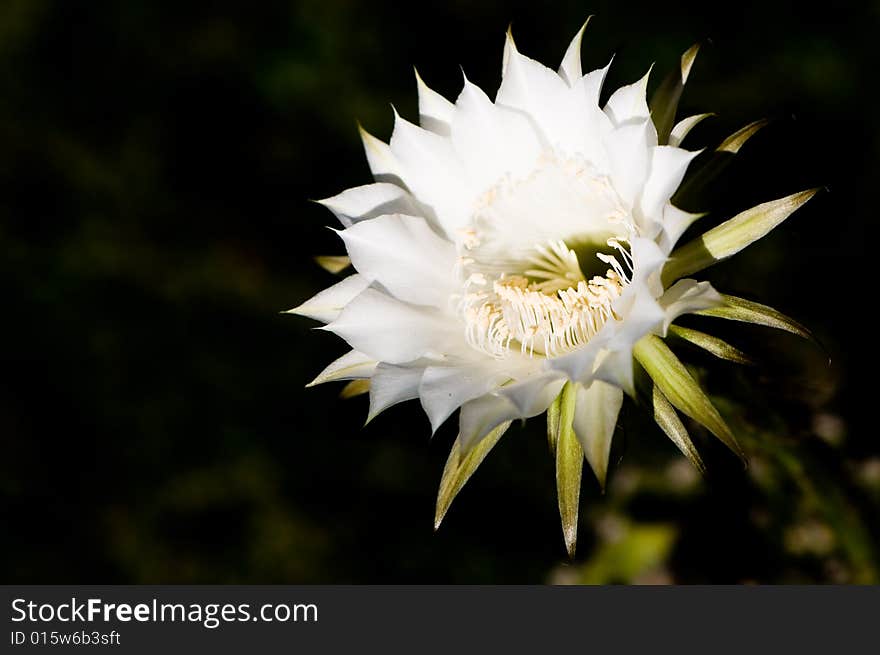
x,y
549,317
529,293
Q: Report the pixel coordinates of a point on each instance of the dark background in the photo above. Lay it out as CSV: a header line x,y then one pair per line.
x,y
156,161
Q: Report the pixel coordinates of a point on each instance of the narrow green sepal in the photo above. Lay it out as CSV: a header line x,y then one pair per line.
x,y
333,263
691,195
680,388
747,311
569,466
670,423
730,237
714,345
355,388
458,470
664,102
553,414
737,140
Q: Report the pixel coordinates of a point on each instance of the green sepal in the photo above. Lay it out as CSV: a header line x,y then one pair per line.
x,y
713,345
553,414
680,388
569,466
355,388
683,127
664,102
333,263
458,469
731,236
747,311
669,421
691,195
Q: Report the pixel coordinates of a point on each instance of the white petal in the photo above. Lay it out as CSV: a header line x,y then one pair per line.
x,y
685,125
629,103
326,305
645,316
648,260
351,366
667,168
628,147
435,111
444,389
492,141
675,222
570,69
534,395
586,123
369,201
595,417
522,400
393,331
641,314
479,417
531,87
591,86
686,296
580,364
383,164
391,385
405,256
432,171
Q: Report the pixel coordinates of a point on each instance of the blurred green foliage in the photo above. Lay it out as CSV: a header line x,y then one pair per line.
x,y
156,161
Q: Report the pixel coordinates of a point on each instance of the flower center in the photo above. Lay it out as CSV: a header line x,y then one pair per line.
x,y
543,260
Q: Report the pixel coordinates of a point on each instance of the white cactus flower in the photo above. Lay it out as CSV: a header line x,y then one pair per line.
x,y
518,255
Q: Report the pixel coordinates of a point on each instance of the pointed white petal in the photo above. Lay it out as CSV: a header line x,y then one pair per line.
x,y
444,389
326,305
394,331
627,148
580,364
383,164
586,123
492,141
405,256
391,385
675,222
595,418
570,69
479,417
685,125
541,93
591,85
351,366
533,396
645,316
629,103
666,170
432,171
648,260
369,201
435,111
616,369
686,296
